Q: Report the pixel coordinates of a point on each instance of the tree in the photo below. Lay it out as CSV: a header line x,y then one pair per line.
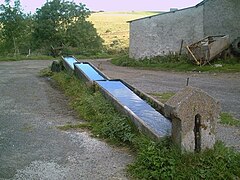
x,y
83,35
55,19
13,26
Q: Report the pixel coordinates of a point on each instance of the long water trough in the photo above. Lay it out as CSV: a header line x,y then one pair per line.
x,y
145,117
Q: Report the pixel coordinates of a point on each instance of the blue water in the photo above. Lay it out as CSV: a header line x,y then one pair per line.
x,y
70,61
155,121
90,71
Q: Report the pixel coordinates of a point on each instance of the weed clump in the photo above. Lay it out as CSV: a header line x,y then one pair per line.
x,y
228,119
103,119
161,160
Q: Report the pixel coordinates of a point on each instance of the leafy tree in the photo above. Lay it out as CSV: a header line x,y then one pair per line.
x,y
60,22
27,43
83,35
13,26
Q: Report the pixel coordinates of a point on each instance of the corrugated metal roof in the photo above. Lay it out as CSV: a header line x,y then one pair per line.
x,y
199,4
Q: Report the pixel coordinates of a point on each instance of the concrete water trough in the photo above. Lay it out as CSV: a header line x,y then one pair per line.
x,y
127,99
193,113
145,117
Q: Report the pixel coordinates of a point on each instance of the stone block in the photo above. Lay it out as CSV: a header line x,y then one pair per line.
x,y
56,66
194,114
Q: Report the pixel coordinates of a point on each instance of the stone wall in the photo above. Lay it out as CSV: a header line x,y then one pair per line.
x,y
222,17
161,34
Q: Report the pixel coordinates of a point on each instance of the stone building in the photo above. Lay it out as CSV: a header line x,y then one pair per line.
x,y
166,32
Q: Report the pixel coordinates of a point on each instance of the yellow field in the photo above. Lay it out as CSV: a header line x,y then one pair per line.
x,y
113,26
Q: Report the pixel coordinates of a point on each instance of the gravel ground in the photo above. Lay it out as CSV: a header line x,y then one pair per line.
x,y
225,87
31,147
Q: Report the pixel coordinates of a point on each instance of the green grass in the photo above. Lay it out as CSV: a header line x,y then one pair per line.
x,y
22,57
228,119
177,63
154,160
98,56
162,97
44,57
164,161
46,72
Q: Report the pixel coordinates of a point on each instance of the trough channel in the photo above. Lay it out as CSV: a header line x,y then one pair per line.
x,y
69,62
144,116
88,72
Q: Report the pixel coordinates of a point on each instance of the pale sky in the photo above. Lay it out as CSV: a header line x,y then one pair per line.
x,y
118,5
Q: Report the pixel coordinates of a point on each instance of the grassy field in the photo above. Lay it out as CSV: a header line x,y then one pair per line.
x,y
113,26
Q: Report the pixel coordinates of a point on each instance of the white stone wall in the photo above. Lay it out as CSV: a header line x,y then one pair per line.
x,y
161,34
222,17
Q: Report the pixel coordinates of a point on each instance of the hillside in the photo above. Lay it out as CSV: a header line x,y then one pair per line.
x,y
113,26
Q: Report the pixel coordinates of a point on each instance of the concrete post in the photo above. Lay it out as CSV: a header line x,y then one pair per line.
x,y
194,114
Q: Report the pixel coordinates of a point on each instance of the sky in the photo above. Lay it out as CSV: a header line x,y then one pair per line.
x,y
118,5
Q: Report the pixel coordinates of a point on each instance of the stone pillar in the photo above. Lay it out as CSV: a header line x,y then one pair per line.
x,y
194,114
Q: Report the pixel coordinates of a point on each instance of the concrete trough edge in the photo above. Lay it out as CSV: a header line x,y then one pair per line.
x,y
100,72
139,123
67,66
80,74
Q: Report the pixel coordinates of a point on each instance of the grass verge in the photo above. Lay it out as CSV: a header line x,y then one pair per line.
x,y
164,161
21,57
163,97
98,56
228,119
102,118
177,63
154,160
46,72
